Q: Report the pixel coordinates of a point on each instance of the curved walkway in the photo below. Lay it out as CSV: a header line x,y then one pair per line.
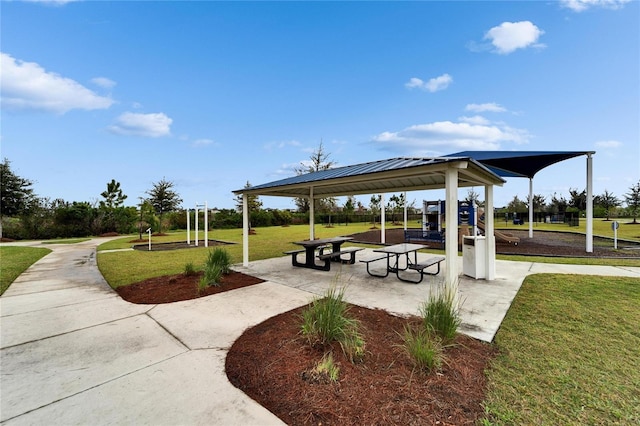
x,y
73,352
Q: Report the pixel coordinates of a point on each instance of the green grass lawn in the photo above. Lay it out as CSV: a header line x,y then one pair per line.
x,y
15,260
569,353
122,268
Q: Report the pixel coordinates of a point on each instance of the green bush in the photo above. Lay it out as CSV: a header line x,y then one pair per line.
x,y
218,263
326,321
424,349
440,313
189,269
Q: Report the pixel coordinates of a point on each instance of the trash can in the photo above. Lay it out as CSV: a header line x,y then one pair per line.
x,y
474,256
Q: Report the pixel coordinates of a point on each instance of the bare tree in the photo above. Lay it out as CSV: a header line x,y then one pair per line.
x,y
319,161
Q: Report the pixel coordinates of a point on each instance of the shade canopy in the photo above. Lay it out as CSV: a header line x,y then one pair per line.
x,y
519,163
395,174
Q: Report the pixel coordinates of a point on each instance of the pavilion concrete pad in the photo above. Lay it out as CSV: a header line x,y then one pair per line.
x,y
216,322
484,303
185,389
40,373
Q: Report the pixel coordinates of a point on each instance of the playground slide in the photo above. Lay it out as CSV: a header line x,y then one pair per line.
x,y
501,236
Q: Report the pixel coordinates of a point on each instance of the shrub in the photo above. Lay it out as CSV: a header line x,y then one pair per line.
x,y
440,313
189,269
218,263
424,349
326,321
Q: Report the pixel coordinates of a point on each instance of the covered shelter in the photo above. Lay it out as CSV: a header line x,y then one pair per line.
x,y
526,164
395,174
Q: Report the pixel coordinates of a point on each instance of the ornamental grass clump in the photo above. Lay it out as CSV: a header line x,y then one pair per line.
x,y
218,263
325,321
441,314
424,349
189,269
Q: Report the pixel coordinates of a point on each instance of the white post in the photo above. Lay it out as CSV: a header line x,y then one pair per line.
x,y
490,239
589,212
245,230
383,220
149,231
206,225
188,227
405,210
451,235
312,215
196,240
530,207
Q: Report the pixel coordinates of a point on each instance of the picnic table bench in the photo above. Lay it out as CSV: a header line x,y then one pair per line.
x,y
320,245
400,250
337,255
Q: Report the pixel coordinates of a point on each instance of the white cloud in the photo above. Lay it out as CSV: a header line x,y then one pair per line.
x,y
433,85
476,119
103,82
202,142
582,5
422,139
510,36
28,86
281,144
149,125
609,144
488,107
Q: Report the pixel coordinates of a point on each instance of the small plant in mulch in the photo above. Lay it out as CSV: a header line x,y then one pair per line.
x,y
326,321
440,313
326,371
218,263
189,269
423,348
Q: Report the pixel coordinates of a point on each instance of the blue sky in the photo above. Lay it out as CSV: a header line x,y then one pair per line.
x,y
210,95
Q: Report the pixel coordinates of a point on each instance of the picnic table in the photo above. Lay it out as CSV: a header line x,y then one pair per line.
x,y
405,250
322,244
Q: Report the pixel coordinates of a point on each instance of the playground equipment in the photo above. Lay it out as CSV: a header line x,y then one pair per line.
x,y
205,226
433,214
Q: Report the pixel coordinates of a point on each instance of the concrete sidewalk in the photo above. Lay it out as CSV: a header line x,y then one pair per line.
x,y
73,352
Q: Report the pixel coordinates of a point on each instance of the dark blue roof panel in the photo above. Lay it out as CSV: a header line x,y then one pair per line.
x,y
519,163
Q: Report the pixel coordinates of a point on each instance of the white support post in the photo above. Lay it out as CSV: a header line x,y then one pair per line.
x,y
451,235
490,238
206,225
589,212
196,239
405,210
383,220
530,207
188,227
245,230
312,215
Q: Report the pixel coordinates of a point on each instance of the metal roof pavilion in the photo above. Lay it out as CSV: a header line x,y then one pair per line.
x,y
395,174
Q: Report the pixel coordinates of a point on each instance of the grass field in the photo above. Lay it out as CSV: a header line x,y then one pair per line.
x,y
15,260
569,353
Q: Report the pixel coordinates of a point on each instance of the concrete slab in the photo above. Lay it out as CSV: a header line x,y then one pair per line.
x,y
20,328
217,321
39,373
23,303
186,389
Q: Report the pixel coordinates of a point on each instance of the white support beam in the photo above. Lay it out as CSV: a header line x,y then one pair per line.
x,y
589,212
245,230
490,238
530,207
383,220
312,215
405,210
451,235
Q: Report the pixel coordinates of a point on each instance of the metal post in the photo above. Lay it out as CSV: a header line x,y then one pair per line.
x,y
589,212
312,215
530,207
196,225
383,219
188,227
245,230
206,225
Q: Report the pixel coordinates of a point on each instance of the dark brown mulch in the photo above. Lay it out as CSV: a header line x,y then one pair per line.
x,y
271,363
543,243
175,288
